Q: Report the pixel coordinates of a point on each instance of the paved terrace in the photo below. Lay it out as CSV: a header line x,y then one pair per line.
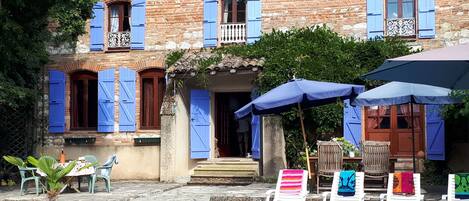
x,y
147,190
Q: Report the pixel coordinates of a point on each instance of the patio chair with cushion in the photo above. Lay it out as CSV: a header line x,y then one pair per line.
x,y
330,160
24,172
291,185
104,172
451,196
376,160
391,196
359,193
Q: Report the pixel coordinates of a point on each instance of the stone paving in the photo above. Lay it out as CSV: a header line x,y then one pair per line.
x,y
150,190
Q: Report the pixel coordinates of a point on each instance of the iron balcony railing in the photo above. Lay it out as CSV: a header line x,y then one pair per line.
x,y
233,33
119,39
400,27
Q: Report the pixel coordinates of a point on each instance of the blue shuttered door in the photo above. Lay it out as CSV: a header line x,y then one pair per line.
x,y
96,28
56,101
254,21
435,133
426,18
200,124
210,23
352,124
375,18
138,25
126,99
106,100
256,131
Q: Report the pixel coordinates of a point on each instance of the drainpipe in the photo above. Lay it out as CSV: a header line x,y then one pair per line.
x,y
261,140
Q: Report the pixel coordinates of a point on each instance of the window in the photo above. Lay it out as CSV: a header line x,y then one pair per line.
x,y
234,11
119,25
379,117
84,100
404,116
152,91
400,17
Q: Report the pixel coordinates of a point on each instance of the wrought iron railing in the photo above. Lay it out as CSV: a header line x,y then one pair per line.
x,y
233,33
400,27
119,40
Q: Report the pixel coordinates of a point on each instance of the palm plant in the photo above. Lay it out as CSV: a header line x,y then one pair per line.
x,y
15,161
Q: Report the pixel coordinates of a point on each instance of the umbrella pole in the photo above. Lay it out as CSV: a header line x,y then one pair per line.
x,y
304,140
413,134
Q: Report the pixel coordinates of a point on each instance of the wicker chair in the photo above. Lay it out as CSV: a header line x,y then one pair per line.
x,y
330,160
376,160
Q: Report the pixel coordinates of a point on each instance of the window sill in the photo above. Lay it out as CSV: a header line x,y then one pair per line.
x,y
116,50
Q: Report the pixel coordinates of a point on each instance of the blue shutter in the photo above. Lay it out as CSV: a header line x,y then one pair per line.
x,y
96,28
375,18
126,99
56,101
210,23
256,131
138,25
435,133
352,123
426,18
253,21
106,100
200,124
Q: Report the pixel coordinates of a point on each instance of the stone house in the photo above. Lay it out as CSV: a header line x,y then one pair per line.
x,y
108,94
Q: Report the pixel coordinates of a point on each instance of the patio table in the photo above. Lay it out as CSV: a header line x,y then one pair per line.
x,y
76,172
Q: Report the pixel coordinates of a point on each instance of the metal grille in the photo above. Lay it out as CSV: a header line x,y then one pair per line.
x,y
400,27
119,39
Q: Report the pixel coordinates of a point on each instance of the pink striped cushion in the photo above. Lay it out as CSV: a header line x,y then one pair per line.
x,y
291,181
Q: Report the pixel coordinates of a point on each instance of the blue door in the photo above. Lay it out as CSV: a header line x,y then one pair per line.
x,y
435,133
200,124
352,124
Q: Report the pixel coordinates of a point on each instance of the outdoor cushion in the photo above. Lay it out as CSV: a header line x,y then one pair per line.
x,y
346,183
403,183
461,185
291,182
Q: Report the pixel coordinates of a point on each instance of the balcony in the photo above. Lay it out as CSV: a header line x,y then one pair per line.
x,y
119,40
233,33
404,27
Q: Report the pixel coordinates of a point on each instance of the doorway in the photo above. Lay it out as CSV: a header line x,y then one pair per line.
x,y
393,124
233,137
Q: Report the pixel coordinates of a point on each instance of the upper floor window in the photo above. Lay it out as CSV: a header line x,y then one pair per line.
x,y
234,11
119,25
400,18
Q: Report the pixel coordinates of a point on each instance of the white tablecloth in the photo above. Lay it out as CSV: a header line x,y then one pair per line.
x,y
75,171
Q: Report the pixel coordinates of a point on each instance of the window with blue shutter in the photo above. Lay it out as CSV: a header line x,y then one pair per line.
x,y
254,21
126,99
96,28
210,23
138,25
106,100
56,101
435,133
352,123
375,18
426,18
200,124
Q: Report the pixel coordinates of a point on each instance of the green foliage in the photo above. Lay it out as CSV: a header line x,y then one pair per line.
x,y
458,111
346,146
315,53
173,57
54,173
15,161
435,173
25,34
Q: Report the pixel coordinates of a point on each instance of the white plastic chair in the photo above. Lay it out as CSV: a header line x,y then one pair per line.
x,y
359,189
290,195
451,191
392,197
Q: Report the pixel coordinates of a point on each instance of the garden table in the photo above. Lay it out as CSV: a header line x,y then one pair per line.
x,y
76,172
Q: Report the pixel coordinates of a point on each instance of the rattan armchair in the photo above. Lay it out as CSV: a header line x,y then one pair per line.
x,y
330,160
376,160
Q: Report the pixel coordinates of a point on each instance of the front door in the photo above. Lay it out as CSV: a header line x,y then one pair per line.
x,y
393,123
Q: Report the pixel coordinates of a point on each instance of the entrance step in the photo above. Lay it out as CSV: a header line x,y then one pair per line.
x,y
221,171
403,164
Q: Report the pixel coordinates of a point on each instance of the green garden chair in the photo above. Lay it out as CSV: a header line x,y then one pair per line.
x,y
91,159
104,172
24,172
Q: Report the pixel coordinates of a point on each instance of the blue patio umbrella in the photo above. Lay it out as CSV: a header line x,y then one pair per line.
x,y
301,94
395,93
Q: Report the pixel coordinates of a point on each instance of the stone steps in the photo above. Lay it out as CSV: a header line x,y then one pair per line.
x,y
403,164
225,172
